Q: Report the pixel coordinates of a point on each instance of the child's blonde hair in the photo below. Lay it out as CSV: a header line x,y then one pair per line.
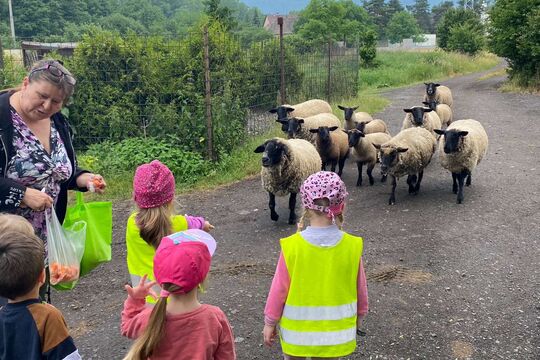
x,y
155,223
308,213
15,223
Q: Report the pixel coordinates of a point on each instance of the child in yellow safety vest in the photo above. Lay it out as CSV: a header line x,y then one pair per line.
x,y
153,193
319,293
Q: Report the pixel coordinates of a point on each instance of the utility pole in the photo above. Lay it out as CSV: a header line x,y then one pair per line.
x,y
11,23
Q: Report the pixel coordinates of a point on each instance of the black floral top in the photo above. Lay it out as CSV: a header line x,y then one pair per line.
x,y
32,166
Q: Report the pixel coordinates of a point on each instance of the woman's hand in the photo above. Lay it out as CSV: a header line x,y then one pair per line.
x,y
142,290
36,200
207,226
269,334
93,182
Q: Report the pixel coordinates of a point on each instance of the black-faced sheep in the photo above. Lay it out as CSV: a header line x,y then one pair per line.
x,y
444,111
407,153
462,147
363,151
332,147
299,127
438,92
419,116
301,110
285,166
352,118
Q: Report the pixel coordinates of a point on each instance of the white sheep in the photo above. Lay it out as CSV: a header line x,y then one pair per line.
x,y
285,166
363,151
373,126
332,146
419,116
438,92
407,153
352,118
463,146
301,110
299,127
444,111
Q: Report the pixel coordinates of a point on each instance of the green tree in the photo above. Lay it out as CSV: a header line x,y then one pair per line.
x,y
214,10
403,25
420,11
393,7
438,11
515,35
378,12
466,38
455,17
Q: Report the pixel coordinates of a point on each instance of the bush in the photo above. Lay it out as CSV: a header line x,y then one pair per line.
x,y
465,38
455,18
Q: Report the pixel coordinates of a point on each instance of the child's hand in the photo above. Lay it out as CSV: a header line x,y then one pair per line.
x,y
269,334
142,290
207,226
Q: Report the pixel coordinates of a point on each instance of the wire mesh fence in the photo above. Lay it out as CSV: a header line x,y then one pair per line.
x,y
206,95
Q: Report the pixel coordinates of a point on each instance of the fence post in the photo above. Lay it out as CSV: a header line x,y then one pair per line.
x,y
328,94
208,97
1,63
281,61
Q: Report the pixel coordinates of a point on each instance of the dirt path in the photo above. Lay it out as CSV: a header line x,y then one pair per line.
x,y
446,281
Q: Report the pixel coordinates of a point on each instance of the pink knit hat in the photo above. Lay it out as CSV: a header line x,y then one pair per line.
x,y
324,184
153,185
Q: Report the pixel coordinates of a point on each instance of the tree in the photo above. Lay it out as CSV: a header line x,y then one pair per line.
x,y
377,10
455,17
515,35
466,38
402,26
393,7
438,11
222,14
420,11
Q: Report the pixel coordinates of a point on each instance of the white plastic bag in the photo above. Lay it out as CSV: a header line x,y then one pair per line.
x,y
66,248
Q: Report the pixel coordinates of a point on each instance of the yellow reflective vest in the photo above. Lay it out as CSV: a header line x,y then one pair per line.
x,y
319,317
140,255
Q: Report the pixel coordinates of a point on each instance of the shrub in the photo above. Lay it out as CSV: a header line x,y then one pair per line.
x,y
465,38
454,18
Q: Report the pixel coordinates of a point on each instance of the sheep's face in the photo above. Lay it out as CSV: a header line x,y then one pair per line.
x,y
431,104
452,140
293,126
389,157
272,151
417,114
431,88
282,112
348,112
354,136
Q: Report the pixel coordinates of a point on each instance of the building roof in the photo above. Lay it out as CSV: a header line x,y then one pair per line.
x,y
271,23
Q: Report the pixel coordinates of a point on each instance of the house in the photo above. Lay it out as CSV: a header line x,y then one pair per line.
x,y
271,23
33,51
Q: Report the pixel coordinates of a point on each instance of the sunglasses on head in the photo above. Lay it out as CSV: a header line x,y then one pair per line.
x,y
55,71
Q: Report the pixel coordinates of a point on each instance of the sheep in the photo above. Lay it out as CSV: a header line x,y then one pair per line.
x,y
407,153
438,92
463,146
363,151
302,110
332,146
352,118
285,166
375,126
444,111
299,127
419,116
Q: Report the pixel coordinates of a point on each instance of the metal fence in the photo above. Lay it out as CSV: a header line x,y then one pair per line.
x,y
275,71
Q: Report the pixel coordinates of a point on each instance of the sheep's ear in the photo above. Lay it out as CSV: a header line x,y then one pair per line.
x,y
356,107
273,111
463,133
425,103
289,109
300,121
282,121
314,131
428,109
259,149
407,110
401,149
377,146
439,131
332,128
426,84
341,107
436,85
345,131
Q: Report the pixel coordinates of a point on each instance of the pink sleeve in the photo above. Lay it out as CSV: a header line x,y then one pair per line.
x,y
134,317
225,350
194,222
362,291
278,293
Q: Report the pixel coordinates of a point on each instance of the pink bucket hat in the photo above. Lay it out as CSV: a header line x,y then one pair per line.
x,y
153,185
324,184
183,259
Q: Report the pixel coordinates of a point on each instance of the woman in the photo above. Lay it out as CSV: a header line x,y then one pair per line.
x,y
37,159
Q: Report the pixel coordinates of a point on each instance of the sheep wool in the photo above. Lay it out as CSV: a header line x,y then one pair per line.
x,y
472,149
314,122
376,126
300,161
335,150
310,108
443,95
364,151
445,114
430,122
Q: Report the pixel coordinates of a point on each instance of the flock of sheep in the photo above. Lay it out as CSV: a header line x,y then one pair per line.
x,y
316,139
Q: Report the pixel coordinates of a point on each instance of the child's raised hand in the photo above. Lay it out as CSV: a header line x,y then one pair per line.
x,y
207,226
269,334
142,290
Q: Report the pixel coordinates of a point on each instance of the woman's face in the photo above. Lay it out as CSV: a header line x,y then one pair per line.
x,y
40,99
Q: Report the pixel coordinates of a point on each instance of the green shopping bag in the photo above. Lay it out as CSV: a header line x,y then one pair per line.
x,y
98,218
